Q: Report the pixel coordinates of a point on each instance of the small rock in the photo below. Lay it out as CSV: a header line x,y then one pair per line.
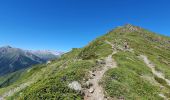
x,y
121,98
88,84
100,62
48,62
93,74
91,90
91,77
82,92
105,96
161,87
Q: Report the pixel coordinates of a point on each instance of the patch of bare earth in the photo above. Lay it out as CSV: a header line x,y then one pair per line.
x,y
95,91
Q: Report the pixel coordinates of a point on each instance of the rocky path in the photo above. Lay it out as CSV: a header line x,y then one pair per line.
x,y
95,92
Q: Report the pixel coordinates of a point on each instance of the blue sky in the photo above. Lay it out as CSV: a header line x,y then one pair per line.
x,y
65,24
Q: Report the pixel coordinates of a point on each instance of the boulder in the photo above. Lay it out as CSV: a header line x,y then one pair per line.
x,y
75,85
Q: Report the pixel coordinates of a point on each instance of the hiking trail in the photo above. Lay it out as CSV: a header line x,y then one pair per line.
x,y
156,73
96,92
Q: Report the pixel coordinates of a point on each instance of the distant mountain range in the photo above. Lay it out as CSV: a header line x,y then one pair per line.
x,y
46,54
13,59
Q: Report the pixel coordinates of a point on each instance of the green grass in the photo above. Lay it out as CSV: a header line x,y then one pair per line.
x,y
127,77
96,49
129,85
55,87
125,81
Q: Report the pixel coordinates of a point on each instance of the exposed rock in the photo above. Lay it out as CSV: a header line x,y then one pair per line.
x,y
88,84
91,90
161,87
126,45
84,79
75,86
121,98
130,28
48,62
93,74
102,62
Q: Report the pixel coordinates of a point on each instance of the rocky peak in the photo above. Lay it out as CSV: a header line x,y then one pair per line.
x,y
129,28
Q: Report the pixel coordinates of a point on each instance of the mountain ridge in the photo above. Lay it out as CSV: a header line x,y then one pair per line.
x,y
13,59
133,64
46,54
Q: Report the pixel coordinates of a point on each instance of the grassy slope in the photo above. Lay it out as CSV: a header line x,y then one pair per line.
x,y
74,66
128,82
132,79
9,79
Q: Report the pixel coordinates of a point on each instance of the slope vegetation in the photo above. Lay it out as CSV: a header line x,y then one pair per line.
x,y
127,63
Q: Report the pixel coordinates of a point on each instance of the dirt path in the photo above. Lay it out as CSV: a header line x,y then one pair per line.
x,y
96,91
14,90
156,73
1,98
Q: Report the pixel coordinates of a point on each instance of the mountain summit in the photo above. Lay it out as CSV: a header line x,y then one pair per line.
x,y
127,63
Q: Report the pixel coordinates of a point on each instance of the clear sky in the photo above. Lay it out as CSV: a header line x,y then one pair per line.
x,y
64,24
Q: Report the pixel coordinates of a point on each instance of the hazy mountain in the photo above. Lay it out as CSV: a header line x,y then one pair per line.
x,y
127,63
47,54
13,59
